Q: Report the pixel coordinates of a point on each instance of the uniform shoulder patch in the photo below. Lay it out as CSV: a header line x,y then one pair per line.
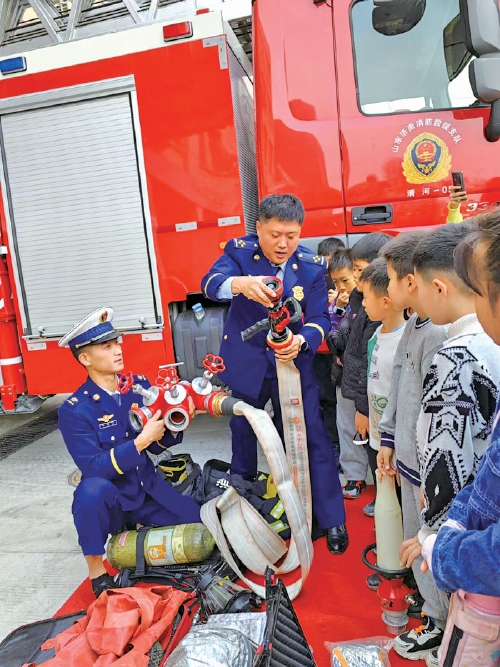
x,y
309,258
249,242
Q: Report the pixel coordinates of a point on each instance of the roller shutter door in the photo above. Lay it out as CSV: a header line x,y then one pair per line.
x,y
77,216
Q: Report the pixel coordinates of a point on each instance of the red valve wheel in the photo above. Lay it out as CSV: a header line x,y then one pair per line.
x,y
167,378
125,382
214,364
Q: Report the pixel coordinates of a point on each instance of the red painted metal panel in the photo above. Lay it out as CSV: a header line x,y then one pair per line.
x,y
296,109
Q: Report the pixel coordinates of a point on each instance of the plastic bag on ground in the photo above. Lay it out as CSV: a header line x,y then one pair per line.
x,y
365,652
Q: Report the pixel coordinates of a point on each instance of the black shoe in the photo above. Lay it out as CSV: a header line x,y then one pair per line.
x,y
369,509
353,488
337,539
373,581
102,583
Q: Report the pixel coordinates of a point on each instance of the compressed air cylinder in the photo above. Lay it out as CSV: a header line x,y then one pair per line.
x,y
388,525
168,545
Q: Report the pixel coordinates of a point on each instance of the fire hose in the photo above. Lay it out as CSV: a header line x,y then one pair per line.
x,y
252,539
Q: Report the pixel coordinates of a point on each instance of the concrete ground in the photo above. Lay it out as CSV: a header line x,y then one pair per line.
x,y
40,561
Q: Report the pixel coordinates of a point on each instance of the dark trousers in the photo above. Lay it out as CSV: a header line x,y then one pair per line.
x,y
328,502
97,513
322,369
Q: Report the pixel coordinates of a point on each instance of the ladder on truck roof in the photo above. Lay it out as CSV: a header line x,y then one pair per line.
x,y
30,24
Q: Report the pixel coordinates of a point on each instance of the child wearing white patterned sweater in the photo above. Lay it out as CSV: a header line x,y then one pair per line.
x,y
458,404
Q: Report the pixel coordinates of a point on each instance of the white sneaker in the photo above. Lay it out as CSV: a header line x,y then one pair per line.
x,y
431,659
417,643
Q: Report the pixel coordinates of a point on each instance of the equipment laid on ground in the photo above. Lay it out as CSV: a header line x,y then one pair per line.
x,y
369,652
394,594
171,396
168,545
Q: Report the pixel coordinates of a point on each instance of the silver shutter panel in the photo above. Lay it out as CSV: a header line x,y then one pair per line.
x,y
77,214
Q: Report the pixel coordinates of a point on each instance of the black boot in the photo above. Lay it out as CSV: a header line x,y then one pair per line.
x,y
337,539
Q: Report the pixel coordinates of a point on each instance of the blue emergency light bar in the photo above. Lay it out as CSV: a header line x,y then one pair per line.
x,y
13,65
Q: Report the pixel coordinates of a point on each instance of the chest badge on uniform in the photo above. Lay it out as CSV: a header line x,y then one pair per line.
x,y
107,421
298,292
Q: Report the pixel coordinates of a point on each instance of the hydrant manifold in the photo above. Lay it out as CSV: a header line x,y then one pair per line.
x,y
171,396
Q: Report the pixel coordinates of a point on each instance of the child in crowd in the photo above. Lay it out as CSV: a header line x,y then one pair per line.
x,y
419,343
459,397
350,342
381,350
342,276
323,359
465,554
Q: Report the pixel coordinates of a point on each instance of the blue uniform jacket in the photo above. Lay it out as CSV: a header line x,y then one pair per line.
x,y
247,362
101,442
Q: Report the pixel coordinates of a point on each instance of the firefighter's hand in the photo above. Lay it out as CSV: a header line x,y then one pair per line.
x,y
254,289
362,424
457,196
192,410
291,352
152,431
410,551
384,461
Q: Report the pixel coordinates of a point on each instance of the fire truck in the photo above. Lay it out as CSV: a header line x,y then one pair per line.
x,y
137,136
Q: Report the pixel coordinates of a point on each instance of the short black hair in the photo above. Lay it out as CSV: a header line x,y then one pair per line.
x,y
376,276
78,351
327,246
285,208
340,259
399,252
434,252
486,233
368,247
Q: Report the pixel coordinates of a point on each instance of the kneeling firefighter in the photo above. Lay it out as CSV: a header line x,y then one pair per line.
x,y
238,276
119,487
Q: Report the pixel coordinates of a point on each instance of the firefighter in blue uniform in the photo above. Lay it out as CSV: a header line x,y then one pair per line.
x,y
251,365
119,486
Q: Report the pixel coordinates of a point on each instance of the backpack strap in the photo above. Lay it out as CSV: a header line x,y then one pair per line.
x,y
140,561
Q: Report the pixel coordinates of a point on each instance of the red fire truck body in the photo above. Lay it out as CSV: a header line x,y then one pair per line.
x,y
128,160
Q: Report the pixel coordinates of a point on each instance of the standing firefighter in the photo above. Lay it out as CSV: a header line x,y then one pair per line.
x,y
251,366
119,486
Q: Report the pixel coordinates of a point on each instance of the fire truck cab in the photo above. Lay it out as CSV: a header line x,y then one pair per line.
x,y
133,147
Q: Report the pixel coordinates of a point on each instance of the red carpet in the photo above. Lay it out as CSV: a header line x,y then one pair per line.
x,y
335,604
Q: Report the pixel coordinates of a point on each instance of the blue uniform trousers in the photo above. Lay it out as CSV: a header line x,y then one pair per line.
x,y
97,513
328,502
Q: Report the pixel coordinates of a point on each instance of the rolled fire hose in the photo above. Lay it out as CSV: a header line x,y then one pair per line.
x,y
255,543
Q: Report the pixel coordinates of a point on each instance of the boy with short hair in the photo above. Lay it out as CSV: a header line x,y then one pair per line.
x,y
323,358
458,403
350,342
382,347
421,339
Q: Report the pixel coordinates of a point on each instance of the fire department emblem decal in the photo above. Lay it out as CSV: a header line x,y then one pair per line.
x,y
426,160
298,292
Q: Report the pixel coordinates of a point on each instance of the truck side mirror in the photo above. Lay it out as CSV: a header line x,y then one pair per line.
x,y
482,26
395,17
482,37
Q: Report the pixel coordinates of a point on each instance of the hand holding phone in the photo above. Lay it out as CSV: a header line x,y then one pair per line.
x,y
458,194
